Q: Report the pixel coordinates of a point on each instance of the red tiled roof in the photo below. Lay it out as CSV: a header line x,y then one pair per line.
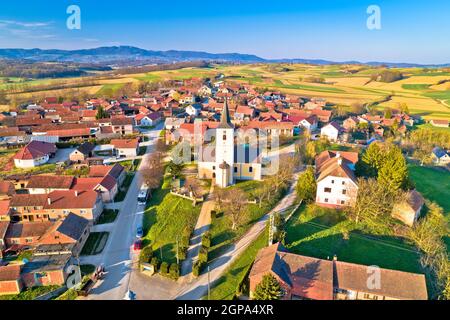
x,y
35,149
10,272
125,143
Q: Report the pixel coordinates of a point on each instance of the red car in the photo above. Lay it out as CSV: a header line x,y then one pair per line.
x,y
137,245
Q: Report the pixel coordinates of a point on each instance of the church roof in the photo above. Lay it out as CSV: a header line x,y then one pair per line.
x,y
225,122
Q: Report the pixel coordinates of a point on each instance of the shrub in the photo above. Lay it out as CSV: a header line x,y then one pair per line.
x,y
146,255
174,271
203,255
182,253
155,263
164,268
197,268
206,240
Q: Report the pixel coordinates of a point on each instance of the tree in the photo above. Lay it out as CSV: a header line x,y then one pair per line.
x,y
374,203
236,207
388,113
268,289
286,168
153,172
219,195
371,161
174,169
307,186
393,174
101,113
193,185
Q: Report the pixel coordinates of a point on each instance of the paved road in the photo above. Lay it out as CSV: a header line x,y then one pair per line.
x,y
118,255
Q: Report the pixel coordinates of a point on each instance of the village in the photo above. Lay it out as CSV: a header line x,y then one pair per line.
x,y
71,170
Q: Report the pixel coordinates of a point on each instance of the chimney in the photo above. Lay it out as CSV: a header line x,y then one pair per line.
x,y
76,193
335,258
49,200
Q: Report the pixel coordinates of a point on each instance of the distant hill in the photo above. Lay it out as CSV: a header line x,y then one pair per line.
x,y
129,56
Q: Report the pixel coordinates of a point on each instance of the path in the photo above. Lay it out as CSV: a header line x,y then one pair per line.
x,y
199,287
195,243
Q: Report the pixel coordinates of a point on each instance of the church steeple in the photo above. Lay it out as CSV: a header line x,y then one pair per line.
x,y
225,122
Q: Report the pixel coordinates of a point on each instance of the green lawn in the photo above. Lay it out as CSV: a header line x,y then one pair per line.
x,y
95,243
107,216
323,233
226,286
433,183
165,219
419,87
222,235
110,88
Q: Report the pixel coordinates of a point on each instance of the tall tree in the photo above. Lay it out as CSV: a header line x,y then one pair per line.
x,y
306,186
393,174
101,113
268,289
236,207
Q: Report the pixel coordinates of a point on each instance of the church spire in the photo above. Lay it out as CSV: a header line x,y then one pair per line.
x,y
225,122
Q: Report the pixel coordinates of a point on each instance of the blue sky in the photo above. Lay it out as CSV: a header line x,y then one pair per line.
x,y
412,31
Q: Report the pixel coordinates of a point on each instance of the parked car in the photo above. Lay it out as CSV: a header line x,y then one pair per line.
x,y
139,232
137,245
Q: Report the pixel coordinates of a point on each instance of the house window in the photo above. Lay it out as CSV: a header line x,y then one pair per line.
x,y
66,211
235,169
224,137
344,191
342,202
250,169
343,183
332,181
326,199
83,211
327,190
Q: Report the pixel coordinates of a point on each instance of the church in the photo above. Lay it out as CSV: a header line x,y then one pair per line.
x,y
235,156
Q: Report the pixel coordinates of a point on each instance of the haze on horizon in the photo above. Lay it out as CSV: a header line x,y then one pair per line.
x,y
412,31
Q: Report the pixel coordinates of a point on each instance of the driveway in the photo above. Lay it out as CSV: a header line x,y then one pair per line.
x,y
61,155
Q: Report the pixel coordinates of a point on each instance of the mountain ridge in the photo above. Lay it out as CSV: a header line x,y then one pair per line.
x,y
112,54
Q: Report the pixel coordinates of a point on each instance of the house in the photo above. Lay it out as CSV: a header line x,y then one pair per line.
x,y
106,186
350,124
194,110
173,123
440,156
4,225
336,181
25,235
34,154
409,210
309,123
10,281
307,278
116,171
244,113
83,152
439,123
331,131
7,190
67,235
46,270
56,205
148,120
45,184
125,147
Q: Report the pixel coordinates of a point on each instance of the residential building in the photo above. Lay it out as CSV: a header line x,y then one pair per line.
x,y
45,184
34,154
440,156
82,153
408,211
308,278
336,182
331,131
126,147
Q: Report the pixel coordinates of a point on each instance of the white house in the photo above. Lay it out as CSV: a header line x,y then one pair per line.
x,y
125,147
193,110
336,182
34,154
331,131
173,123
148,120
440,156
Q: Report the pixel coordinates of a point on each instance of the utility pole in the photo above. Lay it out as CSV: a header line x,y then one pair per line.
x,y
271,229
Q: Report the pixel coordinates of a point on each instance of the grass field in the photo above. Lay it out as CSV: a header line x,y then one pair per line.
x,y
323,234
95,243
165,219
226,286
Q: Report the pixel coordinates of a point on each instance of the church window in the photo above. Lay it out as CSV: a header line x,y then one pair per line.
x,y
224,137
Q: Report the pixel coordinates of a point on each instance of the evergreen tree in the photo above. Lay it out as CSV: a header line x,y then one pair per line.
x,y
306,187
372,160
268,289
393,174
101,113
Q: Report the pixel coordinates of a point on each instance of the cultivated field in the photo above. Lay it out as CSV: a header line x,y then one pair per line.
x,y
425,93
